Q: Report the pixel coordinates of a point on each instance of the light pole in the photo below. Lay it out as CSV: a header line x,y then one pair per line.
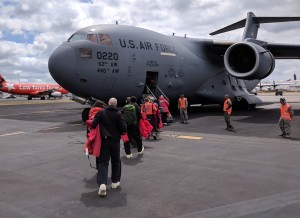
x,y
19,77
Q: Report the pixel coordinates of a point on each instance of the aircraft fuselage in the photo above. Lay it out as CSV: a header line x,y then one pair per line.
x,y
118,61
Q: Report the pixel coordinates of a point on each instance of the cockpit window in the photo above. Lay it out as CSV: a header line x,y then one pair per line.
x,y
92,37
77,37
105,40
85,53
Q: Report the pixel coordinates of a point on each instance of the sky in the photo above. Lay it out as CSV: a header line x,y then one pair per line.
x,y
30,30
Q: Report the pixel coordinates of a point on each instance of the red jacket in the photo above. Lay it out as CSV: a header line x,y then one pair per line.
x,y
164,104
157,117
145,126
93,142
93,112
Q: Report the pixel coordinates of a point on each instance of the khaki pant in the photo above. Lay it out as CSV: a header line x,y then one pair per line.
x,y
285,126
183,115
227,120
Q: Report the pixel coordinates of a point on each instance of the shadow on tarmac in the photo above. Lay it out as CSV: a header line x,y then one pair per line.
x,y
115,198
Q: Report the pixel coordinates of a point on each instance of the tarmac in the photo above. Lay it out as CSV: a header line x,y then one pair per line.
x,y
192,170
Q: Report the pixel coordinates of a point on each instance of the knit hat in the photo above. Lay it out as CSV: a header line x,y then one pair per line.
x,y
133,99
283,100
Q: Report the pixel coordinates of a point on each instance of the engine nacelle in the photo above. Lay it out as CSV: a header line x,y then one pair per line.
x,y
56,94
247,60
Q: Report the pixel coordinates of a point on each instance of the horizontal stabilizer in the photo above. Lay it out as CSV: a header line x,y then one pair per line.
x,y
2,80
231,27
255,20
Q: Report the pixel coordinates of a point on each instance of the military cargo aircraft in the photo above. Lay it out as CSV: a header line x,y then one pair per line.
x,y
104,61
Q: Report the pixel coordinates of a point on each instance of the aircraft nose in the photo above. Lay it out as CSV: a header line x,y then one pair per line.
x,y
62,65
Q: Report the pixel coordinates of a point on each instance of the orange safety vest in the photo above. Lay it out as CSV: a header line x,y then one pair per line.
x,y
182,103
148,108
284,112
226,105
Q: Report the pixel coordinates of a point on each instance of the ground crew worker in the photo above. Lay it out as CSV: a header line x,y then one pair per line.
x,y
182,107
227,108
286,114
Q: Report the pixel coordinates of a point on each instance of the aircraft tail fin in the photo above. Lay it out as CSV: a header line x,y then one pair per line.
x,y
2,80
251,24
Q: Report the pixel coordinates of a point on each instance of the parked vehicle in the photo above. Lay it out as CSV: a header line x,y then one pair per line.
x,y
278,92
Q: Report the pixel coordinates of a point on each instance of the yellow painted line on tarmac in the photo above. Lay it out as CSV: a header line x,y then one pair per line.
x,y
189,137
183,136
13,133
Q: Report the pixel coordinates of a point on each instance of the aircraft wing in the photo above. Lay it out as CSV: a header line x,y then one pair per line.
x,y
218,47
278,50
284,51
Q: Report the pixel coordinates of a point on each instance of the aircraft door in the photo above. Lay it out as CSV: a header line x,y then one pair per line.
x,y
151,83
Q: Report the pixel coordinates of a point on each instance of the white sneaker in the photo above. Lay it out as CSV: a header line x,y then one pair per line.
x,y
115,185
102,190
142,151
129,156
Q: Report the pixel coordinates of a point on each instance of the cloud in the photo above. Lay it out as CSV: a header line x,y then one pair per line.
x,y
44,25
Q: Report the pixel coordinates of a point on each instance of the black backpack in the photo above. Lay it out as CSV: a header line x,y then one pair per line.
x,y
130,114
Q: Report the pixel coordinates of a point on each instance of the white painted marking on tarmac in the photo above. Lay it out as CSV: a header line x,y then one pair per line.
x,y
7,103
169,135
249,207
79,124
55,127
7,115
13,133
34,112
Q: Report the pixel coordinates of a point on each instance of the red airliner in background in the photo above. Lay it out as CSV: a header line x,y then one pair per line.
x,y
32,90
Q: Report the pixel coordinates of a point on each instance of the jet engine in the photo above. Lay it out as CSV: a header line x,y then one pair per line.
x,y
56,94
247,60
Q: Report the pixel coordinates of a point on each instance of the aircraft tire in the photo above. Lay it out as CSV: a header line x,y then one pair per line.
x,y
251,106
29,98
244,105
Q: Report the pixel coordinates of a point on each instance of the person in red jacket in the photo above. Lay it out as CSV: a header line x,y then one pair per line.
x,y
164,106
97,106
145,127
